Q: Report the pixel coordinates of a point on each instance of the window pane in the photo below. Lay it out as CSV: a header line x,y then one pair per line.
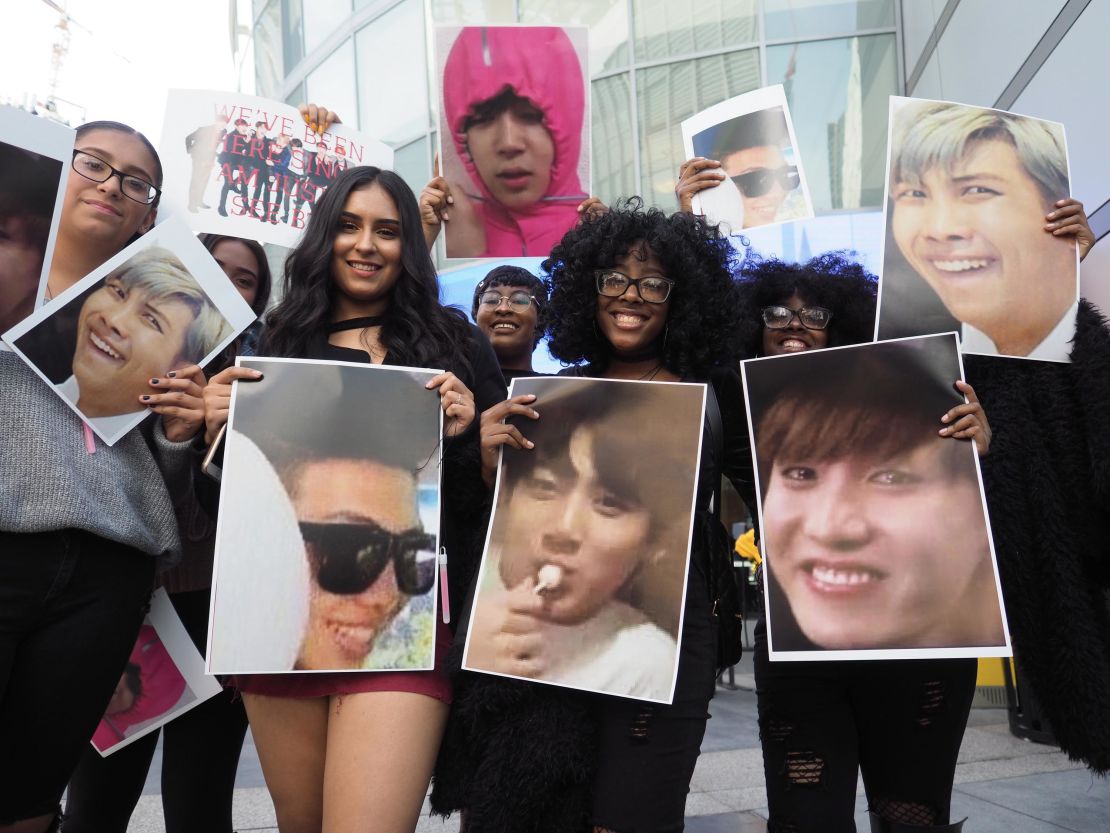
x,y
666,28
414,163
393,107
321,18
607,19
838,91
473,11
267,51
294,34
332,84
784,19
297,97
668,94
614,174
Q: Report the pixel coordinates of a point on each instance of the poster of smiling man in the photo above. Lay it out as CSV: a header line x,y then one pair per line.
x,y
106,343
514,135
329,513
762,180
582,583
966,248
250,167
164,678
875,532
35,155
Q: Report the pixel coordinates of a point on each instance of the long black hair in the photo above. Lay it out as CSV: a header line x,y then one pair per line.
x,y
701,322
418,331
262,293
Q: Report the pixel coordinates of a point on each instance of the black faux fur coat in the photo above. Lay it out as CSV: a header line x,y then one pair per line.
x,y
1047,479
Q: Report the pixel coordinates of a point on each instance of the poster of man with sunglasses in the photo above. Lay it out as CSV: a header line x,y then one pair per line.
x,y
329,521
745,149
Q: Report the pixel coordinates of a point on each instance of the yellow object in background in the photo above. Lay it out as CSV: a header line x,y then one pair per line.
x,y
746,548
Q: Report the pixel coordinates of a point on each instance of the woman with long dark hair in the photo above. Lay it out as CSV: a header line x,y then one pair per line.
x,y
635,294
81,532
201,748
343,751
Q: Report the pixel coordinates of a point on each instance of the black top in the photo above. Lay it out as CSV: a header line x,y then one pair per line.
x,y
520,374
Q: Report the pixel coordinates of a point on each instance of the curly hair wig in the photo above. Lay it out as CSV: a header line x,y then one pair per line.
x,y
704,303
830,280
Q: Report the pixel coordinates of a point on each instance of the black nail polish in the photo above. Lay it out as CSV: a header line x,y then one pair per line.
x,y
154,381
172,374
146,399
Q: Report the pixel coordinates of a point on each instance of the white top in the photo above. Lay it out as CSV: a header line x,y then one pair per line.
x,y
1056,346
617,651
108,426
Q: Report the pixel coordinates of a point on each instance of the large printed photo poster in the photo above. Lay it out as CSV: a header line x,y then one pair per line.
x,y
158,306
966,248
582,582
752,136
875,532
164,678
328,532
250,167
514,136
35,156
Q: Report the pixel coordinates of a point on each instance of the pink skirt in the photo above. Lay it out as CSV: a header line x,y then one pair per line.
x,y
434,683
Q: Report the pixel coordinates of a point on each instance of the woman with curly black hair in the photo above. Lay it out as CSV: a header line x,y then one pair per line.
x,y
839,291
635,294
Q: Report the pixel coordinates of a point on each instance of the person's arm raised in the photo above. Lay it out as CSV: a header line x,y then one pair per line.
x,y
696,175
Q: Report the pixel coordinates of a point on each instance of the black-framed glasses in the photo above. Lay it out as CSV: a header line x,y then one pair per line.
x,y
348,558
133,187
778,317
758,182
612,283
519,300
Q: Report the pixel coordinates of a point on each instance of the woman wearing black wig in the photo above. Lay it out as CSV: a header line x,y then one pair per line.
x,y
360,286
635,295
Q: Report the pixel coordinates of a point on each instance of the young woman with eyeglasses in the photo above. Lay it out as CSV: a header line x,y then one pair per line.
x,y
82,525
635,295
346,751
508,307
900,722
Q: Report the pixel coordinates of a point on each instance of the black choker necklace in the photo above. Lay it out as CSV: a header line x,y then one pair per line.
x,y
356,323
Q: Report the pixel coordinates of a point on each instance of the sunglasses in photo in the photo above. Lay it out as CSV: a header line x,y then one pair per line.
x,y
779,317
758,182
347,558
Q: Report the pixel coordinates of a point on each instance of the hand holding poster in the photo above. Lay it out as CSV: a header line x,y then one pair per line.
x,y
752,137
35,155
250,167
514,136
582,583
159,306
329,513
968,189
164,678
875,533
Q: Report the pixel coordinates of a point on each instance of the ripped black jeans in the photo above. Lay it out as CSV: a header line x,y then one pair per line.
x,y
899,722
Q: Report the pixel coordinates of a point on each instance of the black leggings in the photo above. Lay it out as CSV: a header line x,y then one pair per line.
x,y
900,722
200,753
648,751
70,608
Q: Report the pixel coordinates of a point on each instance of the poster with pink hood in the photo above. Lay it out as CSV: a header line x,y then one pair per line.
x,y
514,136
164,678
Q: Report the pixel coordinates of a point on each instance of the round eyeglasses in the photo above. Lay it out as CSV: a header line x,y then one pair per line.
x,y
614,284
778,317
519,300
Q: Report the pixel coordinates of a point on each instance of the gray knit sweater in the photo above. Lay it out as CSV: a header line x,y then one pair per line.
x,y
49,481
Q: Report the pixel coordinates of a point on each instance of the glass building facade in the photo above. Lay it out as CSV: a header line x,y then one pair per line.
x,y
653,63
